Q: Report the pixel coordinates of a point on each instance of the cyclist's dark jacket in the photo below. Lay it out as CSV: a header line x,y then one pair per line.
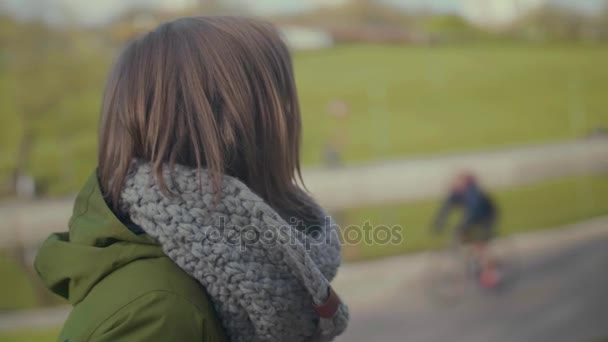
x,y
477,207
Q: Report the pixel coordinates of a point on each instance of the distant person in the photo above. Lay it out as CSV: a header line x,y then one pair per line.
x,y
193,226
332,157
478,223
599,132
334,147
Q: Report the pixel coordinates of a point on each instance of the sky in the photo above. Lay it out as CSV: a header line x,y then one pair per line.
x,y
99,11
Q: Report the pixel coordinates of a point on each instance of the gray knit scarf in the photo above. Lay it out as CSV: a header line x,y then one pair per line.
x,y
262,274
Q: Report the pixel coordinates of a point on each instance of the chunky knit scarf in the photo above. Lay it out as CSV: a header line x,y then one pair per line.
x,y
266,278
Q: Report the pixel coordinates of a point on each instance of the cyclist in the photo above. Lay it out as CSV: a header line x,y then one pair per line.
x,y
477,226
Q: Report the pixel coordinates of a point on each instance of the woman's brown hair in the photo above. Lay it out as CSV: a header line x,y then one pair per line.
x,y
206,92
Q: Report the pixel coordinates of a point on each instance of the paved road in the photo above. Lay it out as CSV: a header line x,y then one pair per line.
x,y
562,296
423,178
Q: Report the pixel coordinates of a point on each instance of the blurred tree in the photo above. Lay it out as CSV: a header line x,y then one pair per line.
x,y
353,14
450,28
209,5
22,45
602,21
552,22
133,23
45,74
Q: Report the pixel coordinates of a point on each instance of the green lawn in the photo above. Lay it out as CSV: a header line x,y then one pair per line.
x,y
20,290
540,206
48,335
16,291
403,101
419,100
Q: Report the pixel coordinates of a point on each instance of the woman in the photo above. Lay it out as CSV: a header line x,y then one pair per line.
x,y
193,227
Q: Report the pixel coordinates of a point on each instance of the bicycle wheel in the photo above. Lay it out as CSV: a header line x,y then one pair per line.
x,y
506,257
449,278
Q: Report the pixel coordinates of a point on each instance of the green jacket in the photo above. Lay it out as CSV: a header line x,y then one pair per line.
x,y
122,286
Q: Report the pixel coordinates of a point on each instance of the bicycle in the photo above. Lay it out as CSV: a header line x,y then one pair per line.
x,y
456,271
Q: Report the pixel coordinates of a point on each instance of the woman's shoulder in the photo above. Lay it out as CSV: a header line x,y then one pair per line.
x,y
147,299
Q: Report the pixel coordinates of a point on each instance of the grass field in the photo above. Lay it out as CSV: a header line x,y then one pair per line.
x,y
403,101
17,291
46,335
420,100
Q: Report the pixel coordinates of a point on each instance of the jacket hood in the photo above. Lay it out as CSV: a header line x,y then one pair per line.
x,y
71,263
